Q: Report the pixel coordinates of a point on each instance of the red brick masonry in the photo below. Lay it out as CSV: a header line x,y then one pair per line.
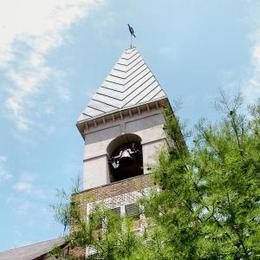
x,y
137,183
113,189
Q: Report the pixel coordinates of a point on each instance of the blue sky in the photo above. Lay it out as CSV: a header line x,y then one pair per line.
x,y
53,56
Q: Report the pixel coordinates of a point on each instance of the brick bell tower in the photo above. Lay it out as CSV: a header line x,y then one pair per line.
x,y
122,127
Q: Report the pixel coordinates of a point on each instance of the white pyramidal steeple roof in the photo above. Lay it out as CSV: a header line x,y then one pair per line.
x,y
130,83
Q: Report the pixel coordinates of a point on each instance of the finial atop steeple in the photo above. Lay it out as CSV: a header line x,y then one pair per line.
x,y
132,33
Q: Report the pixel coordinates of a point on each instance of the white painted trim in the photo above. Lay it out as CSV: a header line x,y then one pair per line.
x,y
124,120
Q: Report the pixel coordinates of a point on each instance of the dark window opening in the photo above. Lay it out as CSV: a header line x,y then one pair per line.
x,y
125,157
132,210
116,211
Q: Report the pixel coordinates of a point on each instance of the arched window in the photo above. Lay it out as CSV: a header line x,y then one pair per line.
x,y
125,157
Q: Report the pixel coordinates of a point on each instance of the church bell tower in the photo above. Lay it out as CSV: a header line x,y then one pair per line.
x,y
122,127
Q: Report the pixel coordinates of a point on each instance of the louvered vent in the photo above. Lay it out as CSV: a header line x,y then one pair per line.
x,y
132,210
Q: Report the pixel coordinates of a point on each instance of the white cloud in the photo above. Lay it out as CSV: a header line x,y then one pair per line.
x,y
29,31
23,186
27,186
3,159
4,174
251,88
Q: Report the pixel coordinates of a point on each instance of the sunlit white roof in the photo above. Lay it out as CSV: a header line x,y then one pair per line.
x,y
129,84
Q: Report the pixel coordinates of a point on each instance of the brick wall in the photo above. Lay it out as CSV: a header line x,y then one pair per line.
x,y
137,183
109,191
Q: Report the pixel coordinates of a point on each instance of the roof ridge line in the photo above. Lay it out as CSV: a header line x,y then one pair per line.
x,y
96,109
115,90
105,95
156,94
130,62
129,73
140,93
128,82
110,81
138,75
125,83
103,102
122,92
126,71
127,49
87,114
129,57
141,85
157,85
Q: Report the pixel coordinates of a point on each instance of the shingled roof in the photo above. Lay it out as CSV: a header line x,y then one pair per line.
x,y
34,251
130,83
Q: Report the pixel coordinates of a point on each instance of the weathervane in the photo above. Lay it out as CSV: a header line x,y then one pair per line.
x,y
132,34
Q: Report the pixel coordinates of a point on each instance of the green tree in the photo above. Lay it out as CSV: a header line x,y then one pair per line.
x,y
208,207
208,203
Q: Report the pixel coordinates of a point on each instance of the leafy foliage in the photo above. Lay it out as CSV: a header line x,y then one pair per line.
x,y
208,204
63,212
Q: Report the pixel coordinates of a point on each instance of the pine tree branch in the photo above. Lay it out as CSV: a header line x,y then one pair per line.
x,y
235,225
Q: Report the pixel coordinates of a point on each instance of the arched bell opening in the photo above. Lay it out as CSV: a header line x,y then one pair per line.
x,y
125,157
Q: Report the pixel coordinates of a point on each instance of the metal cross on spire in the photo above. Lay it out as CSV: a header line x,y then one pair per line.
x,y
132,34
